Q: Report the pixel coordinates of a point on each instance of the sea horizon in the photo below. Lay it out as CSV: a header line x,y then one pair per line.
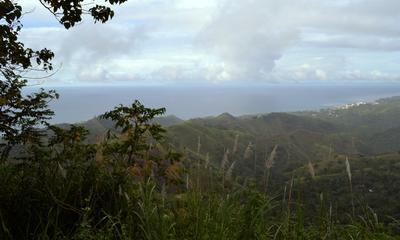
x,y
81,103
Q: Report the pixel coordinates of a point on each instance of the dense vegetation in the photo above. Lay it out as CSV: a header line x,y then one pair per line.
x,y
131,183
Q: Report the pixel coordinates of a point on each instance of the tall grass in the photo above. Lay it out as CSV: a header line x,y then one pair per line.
x,y
348,171
78,193
95,202
269,162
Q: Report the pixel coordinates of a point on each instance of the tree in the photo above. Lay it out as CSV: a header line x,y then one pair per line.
x,y
136,126
137,146
21,114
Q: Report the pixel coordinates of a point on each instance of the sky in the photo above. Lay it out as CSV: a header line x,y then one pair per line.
x,y
217,42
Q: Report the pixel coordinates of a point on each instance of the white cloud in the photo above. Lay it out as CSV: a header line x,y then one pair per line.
x,y
222,40
250,36
88,52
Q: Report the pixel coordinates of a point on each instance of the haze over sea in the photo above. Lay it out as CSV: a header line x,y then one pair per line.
x,y
81,103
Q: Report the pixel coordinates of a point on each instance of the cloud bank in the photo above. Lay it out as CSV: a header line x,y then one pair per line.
x,y
183,41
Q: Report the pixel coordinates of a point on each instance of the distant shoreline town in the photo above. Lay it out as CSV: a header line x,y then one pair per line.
x,y
356,104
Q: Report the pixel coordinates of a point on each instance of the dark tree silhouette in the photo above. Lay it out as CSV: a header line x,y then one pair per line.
x,y
19,113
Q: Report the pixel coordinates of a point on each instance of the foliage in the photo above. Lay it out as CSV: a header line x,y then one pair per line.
x,y
14,56
62,189
302,139
21,114
70,12
134,123
67,188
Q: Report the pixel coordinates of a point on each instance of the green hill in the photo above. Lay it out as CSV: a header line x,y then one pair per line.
x,y
369,128
368,133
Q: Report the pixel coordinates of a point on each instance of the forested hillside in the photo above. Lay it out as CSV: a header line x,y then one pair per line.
x,y
272,176
365,134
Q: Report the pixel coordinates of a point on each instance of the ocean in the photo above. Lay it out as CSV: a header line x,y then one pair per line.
x,y
80,103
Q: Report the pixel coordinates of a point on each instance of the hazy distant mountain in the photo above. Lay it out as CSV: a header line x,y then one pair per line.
x,y
363,118
98,126
363,128
167,121
302,137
